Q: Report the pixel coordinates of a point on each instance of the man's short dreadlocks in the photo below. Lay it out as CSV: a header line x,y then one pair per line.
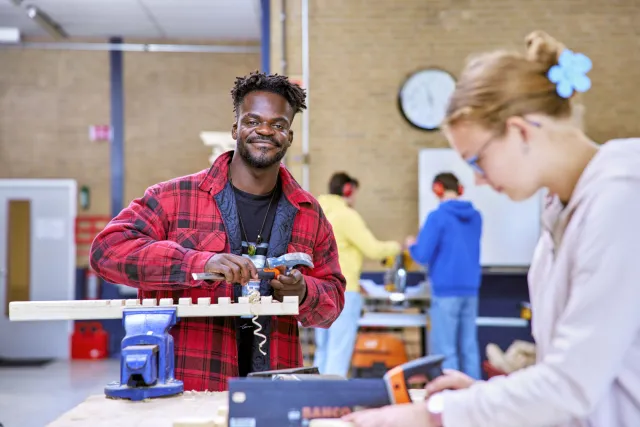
x,y
274,83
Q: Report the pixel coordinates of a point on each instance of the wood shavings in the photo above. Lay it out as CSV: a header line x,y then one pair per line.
x,y
195,422
254,298
330,422
417,394
217,420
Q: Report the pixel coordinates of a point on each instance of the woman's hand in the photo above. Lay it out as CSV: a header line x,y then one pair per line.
x,y
411,414
451,380
408,414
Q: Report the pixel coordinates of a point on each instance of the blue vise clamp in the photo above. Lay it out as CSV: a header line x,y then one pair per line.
x,y
146,357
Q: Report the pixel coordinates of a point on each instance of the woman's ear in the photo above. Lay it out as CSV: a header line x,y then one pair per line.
x,y
519,126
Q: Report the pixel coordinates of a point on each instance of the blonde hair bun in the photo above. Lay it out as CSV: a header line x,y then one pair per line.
x,y
500,84
543,48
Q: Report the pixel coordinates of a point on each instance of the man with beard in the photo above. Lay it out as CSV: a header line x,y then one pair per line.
x,y
229,219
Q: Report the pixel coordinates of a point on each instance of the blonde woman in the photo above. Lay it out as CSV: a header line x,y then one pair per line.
x,y
512,118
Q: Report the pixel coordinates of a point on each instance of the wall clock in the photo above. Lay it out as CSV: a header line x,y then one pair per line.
x,y
424,97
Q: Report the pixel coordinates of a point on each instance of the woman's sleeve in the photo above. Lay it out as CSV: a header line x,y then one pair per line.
x,y
593,334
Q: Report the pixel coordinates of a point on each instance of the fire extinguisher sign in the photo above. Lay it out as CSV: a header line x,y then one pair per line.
x,y
100,133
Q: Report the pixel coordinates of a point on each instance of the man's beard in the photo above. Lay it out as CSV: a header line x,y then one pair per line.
x,y
263,159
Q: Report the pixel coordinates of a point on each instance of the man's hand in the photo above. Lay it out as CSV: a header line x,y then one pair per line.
x,y
408,414
451,380
291,284
235,268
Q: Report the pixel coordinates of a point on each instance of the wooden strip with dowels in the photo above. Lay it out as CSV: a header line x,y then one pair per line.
x,y
113,309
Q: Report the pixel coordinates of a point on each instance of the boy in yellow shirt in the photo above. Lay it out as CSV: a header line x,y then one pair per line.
x,y
334,346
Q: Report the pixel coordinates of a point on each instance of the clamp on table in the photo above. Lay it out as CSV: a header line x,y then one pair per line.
x,y
146,358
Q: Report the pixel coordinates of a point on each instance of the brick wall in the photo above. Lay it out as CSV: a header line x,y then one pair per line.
x,y
48,100
361,52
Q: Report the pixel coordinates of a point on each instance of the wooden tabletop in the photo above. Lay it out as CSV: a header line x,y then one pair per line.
x,y
100,411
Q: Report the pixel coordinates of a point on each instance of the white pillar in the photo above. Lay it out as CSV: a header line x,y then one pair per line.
x,y
220,142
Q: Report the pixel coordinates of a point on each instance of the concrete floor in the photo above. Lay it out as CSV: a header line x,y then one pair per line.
x,y
34,397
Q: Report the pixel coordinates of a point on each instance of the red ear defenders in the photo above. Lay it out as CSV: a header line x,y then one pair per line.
x,y
438,189
347,189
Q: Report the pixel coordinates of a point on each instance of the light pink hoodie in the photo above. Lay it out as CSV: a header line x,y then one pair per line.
x,y
584,284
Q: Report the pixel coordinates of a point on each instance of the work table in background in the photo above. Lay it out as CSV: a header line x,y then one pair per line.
x,y
502,291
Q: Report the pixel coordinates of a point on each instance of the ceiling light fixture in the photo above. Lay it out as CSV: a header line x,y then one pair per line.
x,y
46,23
9,35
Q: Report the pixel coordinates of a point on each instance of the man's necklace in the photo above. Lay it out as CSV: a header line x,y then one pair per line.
x,y
251,250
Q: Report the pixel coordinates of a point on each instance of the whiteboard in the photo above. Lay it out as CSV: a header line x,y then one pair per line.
x,y
510,229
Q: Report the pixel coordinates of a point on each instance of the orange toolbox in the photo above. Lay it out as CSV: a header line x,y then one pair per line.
x,y
375,353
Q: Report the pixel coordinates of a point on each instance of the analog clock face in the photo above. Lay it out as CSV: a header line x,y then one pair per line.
x,y
424,98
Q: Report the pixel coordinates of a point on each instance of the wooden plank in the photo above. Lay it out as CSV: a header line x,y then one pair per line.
x,y
99,411
112,309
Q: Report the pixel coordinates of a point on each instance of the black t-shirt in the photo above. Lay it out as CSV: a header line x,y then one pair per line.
x,y
253,211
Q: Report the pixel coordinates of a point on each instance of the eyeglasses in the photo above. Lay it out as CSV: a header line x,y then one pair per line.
x,y
473,160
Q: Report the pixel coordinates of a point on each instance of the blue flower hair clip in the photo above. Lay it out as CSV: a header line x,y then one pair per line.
x,y
570,74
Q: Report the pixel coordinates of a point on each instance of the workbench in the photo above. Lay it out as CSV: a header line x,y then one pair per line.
x,y
389,310
100,411
402,312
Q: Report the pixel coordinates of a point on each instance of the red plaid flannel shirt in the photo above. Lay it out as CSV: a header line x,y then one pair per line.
x,y
161,238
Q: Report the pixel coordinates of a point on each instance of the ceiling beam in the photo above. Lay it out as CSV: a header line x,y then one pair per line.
x,y
135,47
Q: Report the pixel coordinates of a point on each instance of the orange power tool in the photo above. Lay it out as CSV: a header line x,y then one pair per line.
x,y
272,269
396,379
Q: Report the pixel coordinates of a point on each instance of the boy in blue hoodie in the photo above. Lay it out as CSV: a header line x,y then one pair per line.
x,y
449,245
